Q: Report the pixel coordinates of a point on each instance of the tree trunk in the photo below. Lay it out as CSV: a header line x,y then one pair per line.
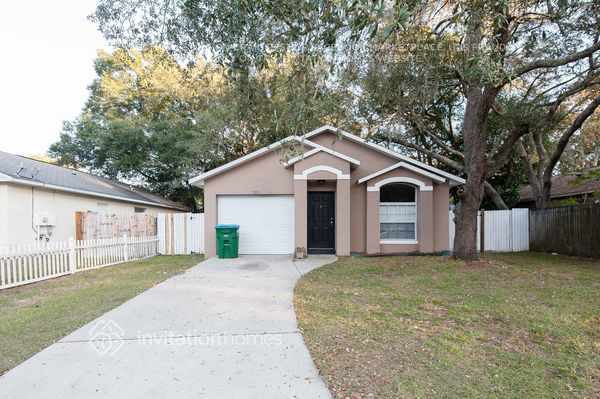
x,y
542,194
478,104
494,196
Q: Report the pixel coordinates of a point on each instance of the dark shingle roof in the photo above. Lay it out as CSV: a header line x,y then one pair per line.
x,y
33,171
564,186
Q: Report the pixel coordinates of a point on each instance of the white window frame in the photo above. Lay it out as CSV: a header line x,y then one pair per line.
x,y
401,241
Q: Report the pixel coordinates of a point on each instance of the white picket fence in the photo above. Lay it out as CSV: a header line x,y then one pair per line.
x,y
504,231
24,264
180,233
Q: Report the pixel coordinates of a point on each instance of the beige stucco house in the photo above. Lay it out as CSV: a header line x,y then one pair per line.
x,y
38,200
339,194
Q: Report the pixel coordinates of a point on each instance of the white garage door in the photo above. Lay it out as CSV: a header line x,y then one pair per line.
x,y
266,222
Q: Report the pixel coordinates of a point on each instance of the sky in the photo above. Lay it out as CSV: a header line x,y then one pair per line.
x,y
47,52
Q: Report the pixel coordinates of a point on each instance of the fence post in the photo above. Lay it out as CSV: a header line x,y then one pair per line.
x,y
125,248
482,232
72,257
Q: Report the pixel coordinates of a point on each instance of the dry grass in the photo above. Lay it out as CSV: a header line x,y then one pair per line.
x,y
515,326
34,316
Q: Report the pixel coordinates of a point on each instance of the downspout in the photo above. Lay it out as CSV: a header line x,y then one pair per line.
x,y
37,234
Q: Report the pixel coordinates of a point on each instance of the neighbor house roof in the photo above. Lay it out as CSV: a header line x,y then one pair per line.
x,y
564,186
199,180
22,170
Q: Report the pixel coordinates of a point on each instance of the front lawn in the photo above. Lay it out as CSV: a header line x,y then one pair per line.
x,y
36,315
512,326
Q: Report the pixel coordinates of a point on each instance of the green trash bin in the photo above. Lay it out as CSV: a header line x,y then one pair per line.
x,y
227,240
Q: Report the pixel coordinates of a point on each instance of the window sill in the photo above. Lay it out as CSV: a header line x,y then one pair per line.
x,y
405,242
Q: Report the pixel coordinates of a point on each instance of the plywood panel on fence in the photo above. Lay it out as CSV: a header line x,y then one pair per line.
x,y
104,226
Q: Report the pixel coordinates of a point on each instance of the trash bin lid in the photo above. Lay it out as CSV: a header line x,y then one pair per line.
x,y
227,226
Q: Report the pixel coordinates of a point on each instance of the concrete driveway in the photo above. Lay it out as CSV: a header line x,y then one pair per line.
x,y
223,329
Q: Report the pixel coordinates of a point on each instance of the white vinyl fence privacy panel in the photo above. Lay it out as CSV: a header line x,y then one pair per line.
x,y
24,264
520,230
180,233
498,231
504,230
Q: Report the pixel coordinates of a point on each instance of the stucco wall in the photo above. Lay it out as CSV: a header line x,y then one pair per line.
x,y
264,175
371,162
21,202
3,213
318,159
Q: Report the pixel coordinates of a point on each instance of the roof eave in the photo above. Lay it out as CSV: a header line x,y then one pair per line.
x,y
456,179
198,181
90,193
404,165
320,148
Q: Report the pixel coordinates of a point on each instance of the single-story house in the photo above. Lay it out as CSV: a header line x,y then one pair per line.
x,y
338,194
569,188
38,200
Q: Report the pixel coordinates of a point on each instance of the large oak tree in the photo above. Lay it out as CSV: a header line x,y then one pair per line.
x,y
488,50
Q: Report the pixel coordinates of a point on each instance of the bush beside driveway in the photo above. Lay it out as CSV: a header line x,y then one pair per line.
x,y
34,316
514,325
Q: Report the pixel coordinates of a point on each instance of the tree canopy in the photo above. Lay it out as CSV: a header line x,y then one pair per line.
x,y
155,122
477,87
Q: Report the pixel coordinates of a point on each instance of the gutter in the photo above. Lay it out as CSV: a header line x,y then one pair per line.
x,y
7,179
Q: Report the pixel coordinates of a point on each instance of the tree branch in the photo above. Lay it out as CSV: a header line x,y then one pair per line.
x,y
555,62
446,161
566,136
531,176
506,149
494,196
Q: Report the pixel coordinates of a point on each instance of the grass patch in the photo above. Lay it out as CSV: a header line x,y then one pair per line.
x,y
34,316
511,326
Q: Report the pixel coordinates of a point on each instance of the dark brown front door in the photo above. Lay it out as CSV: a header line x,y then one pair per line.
x,y
321,222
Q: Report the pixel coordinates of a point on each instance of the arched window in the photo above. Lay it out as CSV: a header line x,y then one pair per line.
x,y
398,212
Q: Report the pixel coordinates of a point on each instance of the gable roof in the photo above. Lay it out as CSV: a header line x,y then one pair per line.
x,y
405,165
199,180
564,186
383,150
318,149
22,170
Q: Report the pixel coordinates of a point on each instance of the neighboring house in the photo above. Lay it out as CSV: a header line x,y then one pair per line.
x,y
565,190
38,200
342,195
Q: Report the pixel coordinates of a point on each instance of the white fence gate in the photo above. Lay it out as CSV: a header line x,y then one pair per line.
x,y
180,233
504,231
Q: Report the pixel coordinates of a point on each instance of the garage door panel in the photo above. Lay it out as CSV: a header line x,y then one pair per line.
x,y
266,222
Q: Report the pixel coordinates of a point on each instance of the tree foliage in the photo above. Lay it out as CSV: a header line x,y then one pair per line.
x,y
155,122
471,85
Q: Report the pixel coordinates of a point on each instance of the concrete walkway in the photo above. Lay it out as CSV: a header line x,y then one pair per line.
x,y
224,329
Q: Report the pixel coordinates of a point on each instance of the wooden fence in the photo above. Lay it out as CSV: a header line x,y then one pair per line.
x,y
94,226
180,233
503,231
569,230
24,264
